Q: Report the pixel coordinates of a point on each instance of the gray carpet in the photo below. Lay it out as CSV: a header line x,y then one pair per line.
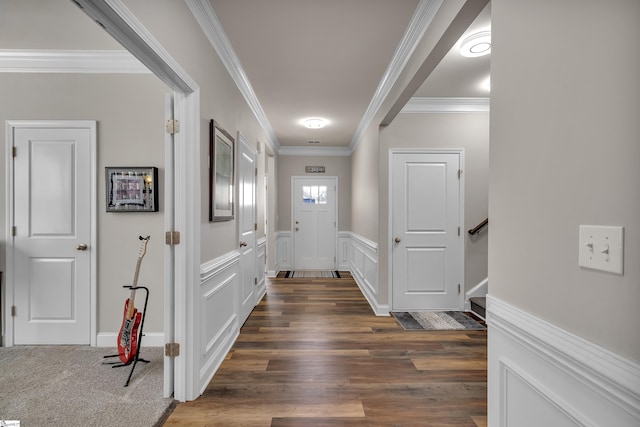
x,y
436,321
69,386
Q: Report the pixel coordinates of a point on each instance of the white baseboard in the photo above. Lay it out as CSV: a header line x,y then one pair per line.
x,y
110,339
542,375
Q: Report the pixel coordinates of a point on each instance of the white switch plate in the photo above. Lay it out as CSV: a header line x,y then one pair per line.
x,y
601,248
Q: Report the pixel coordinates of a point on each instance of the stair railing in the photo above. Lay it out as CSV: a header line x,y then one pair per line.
x,y
478,228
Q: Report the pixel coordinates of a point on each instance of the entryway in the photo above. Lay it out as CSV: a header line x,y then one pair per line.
x,y
314,228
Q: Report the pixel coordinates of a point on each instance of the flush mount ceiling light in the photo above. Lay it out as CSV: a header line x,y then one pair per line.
x,y
314,123
477,44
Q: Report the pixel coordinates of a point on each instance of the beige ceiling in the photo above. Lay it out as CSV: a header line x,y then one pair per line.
x,y
309,58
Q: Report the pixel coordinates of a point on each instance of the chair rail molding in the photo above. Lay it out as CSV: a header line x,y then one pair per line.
x,y
541,374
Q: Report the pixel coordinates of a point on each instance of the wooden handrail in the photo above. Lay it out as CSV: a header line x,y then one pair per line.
x,y
475,230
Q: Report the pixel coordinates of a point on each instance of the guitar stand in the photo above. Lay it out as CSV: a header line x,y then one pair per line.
x,y
137,358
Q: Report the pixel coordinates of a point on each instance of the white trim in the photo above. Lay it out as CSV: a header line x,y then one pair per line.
x,y
123,26
585,381
420,22
205,15
10,126
460,152
69,61
151,339
479,290
314,151
446,105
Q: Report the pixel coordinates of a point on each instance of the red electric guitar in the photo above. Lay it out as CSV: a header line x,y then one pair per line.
x,y
128,335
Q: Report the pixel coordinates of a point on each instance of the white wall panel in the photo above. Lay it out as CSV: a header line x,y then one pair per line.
x,y
541,375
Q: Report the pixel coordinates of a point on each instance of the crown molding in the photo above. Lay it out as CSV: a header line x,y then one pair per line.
x,y
314,151
420,22
203,13
70,61
446,105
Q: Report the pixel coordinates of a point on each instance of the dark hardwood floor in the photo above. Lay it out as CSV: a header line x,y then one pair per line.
x,y
312,353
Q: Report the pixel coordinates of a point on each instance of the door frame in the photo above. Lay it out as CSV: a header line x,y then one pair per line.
x,y
293,211
389,244
10,127
125,28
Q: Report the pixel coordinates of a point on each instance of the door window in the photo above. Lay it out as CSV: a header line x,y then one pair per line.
x,y
314,194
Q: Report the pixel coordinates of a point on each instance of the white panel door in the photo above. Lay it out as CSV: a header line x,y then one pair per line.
x,y
52,243
426,216
314,202
247,177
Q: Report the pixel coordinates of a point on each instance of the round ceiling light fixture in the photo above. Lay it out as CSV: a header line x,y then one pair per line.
x,y
314,123
478,44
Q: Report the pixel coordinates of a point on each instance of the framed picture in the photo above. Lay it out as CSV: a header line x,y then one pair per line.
x,y
131,189
221,173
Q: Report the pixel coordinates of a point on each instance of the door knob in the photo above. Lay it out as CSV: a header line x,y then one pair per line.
x,y
82,247
397,240
242,244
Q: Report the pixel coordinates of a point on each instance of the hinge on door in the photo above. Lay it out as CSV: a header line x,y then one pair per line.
x,y
255,280
459,173
173,126
458,288
172,238
458,231
172,349
14,151
256,171
14,231
13,311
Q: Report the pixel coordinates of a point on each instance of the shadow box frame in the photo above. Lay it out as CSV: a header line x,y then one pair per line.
x,y
131,188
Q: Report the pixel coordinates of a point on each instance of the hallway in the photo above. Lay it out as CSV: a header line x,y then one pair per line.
x,y
313,354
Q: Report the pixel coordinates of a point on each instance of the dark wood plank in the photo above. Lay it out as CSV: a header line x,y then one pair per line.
x,y
312,353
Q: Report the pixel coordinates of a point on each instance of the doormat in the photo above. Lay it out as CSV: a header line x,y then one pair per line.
x,y
436,321
319,274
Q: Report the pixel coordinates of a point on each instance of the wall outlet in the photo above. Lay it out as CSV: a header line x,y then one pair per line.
x,y
601,248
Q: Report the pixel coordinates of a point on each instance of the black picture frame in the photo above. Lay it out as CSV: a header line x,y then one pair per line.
x,y
131,189
221,174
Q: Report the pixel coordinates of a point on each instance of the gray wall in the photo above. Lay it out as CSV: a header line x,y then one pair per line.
x,y
469,131
565,146
130,115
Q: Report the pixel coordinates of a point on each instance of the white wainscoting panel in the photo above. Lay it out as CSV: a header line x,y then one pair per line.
x,y
363,261
219,293
542,375
283,251
344,242
261,286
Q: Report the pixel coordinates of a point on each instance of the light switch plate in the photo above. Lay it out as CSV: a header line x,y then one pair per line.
x,y
601,248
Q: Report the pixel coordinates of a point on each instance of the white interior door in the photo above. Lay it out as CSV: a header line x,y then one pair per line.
x,y
314,203
54,175
426,220
247,181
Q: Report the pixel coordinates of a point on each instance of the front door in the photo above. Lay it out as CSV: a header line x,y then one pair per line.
x,y
247,178
53,180
314,202
426,219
